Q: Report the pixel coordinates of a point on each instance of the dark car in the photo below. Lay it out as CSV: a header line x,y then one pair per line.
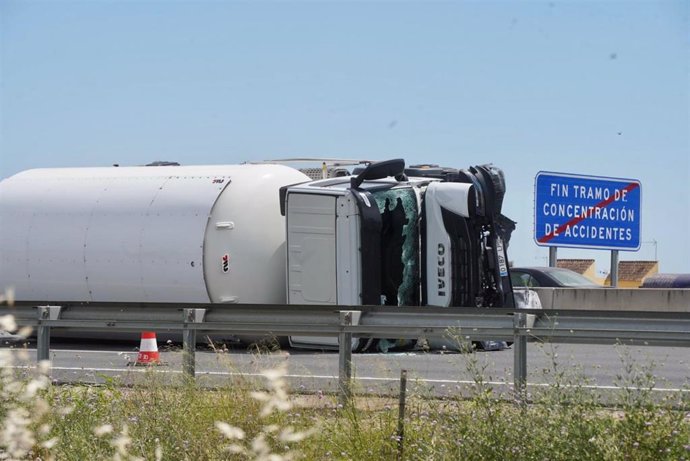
x,y
549,277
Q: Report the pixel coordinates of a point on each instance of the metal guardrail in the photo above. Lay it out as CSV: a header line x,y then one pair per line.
x,y
516,325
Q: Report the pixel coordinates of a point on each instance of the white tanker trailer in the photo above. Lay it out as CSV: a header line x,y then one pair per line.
x,y
145,234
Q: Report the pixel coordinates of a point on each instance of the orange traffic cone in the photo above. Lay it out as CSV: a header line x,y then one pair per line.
x,y
148,350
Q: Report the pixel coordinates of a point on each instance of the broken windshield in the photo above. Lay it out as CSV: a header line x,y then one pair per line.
x,y
399,246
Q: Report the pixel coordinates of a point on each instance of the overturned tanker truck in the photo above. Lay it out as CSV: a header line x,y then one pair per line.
x,y
381,234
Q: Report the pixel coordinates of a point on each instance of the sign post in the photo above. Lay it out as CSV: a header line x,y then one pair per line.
x,y
614,268
593,212
553,256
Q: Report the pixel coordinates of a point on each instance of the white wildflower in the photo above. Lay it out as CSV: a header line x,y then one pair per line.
x,y
276,457
33,387
66,410
260,447
40,407
276,373
230,432
8,323
121,444
12,388
274,399
50,443
235,449
271,428
23,354
16,436
24,408
44,367
289,435
158,453
260,396
100,431
8,296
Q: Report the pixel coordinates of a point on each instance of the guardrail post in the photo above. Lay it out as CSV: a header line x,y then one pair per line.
x,y
401,413
189,340
43,330
520,354
345,358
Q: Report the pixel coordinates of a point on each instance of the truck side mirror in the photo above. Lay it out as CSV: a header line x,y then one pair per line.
x,y
380,170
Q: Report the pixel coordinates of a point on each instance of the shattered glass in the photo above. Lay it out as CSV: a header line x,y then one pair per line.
x,y
399,246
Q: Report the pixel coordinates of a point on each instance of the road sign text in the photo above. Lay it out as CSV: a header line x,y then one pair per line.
x,y
587,211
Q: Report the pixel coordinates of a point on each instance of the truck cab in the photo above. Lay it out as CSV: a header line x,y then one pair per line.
x,y
388,235
354,245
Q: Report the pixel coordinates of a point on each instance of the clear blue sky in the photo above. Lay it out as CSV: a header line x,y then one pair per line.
x,y
599,88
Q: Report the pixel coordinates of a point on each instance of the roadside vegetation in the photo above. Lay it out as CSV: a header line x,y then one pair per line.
x,y
157,419
256,419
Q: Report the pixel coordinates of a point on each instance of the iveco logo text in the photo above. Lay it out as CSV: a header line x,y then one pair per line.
x,y
441,269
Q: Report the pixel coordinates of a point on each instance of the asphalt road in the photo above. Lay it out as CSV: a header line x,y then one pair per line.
x,y
442,374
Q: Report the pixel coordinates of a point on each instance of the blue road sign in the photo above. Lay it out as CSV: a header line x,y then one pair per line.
x,y
586,211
